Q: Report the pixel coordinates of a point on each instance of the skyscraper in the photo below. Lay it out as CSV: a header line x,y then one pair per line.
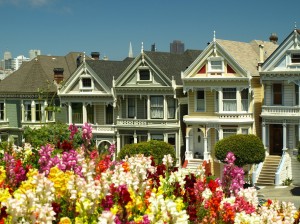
x,y
34,53
177,47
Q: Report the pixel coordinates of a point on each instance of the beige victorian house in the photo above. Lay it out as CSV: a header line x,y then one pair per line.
x,y
224,95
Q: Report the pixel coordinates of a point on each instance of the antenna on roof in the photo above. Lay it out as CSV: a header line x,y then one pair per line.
x,y
130,54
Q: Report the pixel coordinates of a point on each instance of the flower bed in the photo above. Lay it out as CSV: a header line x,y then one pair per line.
x,y
51,185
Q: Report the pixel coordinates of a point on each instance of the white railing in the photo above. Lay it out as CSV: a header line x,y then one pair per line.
x,y
237,115
283,168
281,109
109,128
146,122
255,174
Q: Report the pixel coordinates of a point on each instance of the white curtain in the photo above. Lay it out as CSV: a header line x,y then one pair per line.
x,y
157,107
229,105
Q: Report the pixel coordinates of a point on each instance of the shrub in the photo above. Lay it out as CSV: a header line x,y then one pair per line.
x,y
248,149
50,133
154,148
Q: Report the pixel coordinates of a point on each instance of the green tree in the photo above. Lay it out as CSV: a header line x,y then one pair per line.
x,y
248,149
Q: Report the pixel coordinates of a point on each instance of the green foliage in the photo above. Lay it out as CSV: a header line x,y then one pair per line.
x,y
248,149
50,133
287,182
154,148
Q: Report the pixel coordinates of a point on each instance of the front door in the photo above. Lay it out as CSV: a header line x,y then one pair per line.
x,y
276,139
198,143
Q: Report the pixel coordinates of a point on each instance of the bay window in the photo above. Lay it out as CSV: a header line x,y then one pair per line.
x,y
109,114
157,107
77,116
131,107
229,99
244,98
277,94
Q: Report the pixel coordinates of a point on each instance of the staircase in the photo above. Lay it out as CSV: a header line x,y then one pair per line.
x,y
192,164
267,174
295,164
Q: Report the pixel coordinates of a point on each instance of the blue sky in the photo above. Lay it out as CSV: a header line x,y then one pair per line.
x,y
57,27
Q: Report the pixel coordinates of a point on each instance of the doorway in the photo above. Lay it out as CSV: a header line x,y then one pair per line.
x,y
276,139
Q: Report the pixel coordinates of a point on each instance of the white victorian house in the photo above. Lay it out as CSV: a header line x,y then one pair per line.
x,y
280,76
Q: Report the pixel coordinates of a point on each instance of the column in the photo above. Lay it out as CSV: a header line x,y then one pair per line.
x,y
148,107
118,143
165,108
70,113
206,153
23,110
45,112
135,137
220,101
84,113
264,134
238,100
33,118
284,136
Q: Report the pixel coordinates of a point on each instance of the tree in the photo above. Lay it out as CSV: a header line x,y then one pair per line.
x,y
248,149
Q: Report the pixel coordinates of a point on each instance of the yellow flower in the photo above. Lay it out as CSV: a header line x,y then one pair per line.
x,y
60,180
27,185
4,194
2,174
65,220
114,209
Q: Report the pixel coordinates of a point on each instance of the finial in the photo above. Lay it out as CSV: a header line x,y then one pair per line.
x,y
130,53
214,41
83,57
142,48
295,26
214,36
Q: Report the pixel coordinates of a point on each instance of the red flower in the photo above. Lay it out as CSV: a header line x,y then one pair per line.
x,y
213,185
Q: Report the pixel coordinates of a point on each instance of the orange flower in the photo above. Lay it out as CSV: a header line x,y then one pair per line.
x,y
125,166
65,220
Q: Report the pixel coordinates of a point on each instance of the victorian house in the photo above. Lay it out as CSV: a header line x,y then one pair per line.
x,y
280,76
28,96
224,95
129,101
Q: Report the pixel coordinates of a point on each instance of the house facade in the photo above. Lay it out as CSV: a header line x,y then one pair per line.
x,y
130,101
224,94
28,96
280,76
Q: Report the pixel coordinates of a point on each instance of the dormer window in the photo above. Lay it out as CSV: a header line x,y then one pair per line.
x,y
144,74
215,66
295,57
86,83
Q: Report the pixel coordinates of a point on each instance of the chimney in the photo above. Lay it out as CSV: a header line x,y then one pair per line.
x,y
273,38
95,55
58,75
261,53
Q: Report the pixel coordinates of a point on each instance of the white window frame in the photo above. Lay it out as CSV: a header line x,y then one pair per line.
x,y
200,101
213,69
143,68
86,88
225,100
157,107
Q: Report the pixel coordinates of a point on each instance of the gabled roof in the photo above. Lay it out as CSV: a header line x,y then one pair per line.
x,y
107,70
172,64
247,54
38,74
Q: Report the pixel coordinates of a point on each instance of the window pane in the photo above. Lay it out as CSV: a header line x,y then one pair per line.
x,y
109,114
171,108
86,82
277,94
27,112
77,113
229,99
158,137
144,74
90,114
296,94
131,107
295,58
157,107
200,100
244,96
229,132
216,65
1,111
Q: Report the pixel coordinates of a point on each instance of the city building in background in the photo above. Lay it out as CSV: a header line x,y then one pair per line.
x,y
177,47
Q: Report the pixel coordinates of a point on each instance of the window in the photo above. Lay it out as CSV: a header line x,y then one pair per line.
x,y
216,65
86,82
229,132
77,113
109,114
200,101
50,115
244,98
296,94
172,140
90,114
38,111
159,137
131,107
229,99
27,111
295,58
171,108
245,131
144,74
1,111
157,107
217,102
277,94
